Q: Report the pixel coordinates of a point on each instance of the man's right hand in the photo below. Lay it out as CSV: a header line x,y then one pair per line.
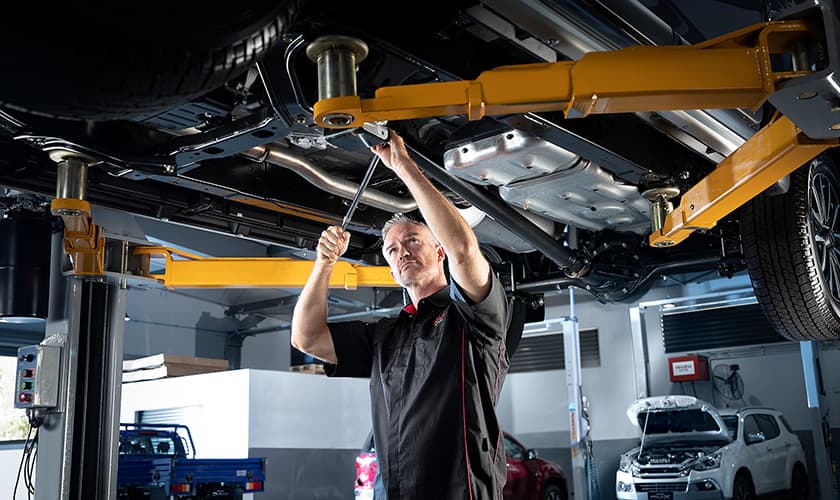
x,y
332,244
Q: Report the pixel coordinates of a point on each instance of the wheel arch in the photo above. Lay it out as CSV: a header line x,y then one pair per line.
x,y
744,471
800,466
560,482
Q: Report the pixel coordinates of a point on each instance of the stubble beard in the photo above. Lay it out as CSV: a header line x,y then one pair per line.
x,y
415,280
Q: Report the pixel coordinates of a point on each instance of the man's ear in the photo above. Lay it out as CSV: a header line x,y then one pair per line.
x,y
441,253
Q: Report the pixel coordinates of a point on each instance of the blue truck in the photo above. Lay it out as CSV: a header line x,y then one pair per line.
x,y
157,462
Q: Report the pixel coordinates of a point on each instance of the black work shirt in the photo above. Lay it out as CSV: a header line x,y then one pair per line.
x,y
435,376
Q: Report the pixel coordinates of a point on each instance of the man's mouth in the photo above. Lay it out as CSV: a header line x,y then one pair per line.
x,y
406,264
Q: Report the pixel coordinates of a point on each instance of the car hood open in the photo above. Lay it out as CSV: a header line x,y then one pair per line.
x,y
677,418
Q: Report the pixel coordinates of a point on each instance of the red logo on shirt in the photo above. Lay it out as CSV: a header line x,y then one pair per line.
x,y
440,317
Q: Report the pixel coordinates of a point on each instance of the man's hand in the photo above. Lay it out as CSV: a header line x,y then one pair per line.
x,y
332,244
393,153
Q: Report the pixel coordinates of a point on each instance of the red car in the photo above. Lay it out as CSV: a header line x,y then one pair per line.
x,y
528,477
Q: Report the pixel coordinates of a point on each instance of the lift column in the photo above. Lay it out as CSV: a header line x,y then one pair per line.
x,y
78,440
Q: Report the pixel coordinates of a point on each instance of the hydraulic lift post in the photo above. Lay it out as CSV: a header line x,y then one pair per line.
x,y
78,439
577,434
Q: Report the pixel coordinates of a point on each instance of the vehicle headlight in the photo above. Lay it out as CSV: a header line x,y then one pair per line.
x,y
708,462
625,463
623,487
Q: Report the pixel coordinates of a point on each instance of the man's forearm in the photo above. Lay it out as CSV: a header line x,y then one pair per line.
x,y
443,219
310,332
467,265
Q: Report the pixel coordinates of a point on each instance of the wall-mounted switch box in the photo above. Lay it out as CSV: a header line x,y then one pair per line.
x,y
36,384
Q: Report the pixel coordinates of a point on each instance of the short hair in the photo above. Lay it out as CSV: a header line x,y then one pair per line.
x,y
396,220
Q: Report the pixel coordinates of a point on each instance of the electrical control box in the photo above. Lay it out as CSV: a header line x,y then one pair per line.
x,y
688,368
36,384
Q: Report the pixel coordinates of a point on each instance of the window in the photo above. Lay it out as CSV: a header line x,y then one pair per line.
x,y
689,420
13,422
768,426
717,328
513,450
731,422
547,352
751,429
147,445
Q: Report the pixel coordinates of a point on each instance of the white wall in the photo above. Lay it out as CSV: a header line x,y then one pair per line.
x,y
267,351
299,410
537,402
235,410
218,406
773,375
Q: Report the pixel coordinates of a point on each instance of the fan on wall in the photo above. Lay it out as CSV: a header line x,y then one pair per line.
x,y
728,382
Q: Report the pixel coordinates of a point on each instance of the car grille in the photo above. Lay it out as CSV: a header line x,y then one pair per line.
x,y
661,487
659,470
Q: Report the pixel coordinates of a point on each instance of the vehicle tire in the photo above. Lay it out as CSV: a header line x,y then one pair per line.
x,y
552,492
799,484
790,244
107,61
743,488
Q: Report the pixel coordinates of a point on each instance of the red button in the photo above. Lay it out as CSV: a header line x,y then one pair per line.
x,y
24,397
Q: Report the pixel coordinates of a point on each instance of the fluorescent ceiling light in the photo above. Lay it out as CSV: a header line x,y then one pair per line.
x,y
21,320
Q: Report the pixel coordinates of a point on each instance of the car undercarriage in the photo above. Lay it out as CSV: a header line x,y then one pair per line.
x,y
556,201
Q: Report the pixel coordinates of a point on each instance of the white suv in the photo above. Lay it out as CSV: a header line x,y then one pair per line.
x,y
689,450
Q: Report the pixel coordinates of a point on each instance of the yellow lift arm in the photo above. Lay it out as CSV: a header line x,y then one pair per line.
x,y
731,71
185,270
82,240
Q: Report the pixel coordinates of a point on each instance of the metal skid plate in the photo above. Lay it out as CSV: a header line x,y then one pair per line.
x,y
508,157
549,181
585,196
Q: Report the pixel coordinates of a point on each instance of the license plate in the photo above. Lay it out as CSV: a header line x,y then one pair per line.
x,y
661,495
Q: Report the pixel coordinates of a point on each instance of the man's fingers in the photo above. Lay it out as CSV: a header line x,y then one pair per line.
x,y
333,243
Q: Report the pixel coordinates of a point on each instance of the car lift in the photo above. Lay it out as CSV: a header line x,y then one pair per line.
x,y
634,79
78,439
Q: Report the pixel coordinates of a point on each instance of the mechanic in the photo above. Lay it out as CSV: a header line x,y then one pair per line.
x,y
436,370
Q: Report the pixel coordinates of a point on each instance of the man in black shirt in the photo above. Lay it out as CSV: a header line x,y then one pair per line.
x,y
437,370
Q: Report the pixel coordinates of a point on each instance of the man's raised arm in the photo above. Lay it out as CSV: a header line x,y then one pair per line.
x,y
467,265
310,332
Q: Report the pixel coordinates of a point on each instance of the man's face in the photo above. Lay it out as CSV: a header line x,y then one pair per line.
x,y
413,253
